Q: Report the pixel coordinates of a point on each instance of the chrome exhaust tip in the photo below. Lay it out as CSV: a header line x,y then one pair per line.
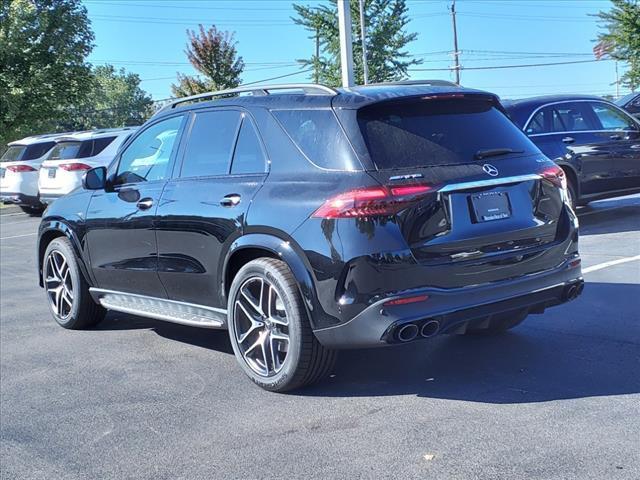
x,y
430,328
407,332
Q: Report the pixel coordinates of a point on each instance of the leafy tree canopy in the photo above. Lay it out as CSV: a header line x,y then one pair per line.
x,y
622,37
213,53
386,35
114,100
43,47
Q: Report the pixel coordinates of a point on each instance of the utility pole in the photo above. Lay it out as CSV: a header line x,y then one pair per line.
x,y
617,82
363,37
316,66
346,46
456,53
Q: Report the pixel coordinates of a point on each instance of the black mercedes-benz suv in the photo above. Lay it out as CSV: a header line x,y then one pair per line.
x,y
305,220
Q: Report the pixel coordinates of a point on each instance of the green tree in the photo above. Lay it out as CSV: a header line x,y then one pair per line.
x,y
385,22
43,47
622,37
114,100
213,53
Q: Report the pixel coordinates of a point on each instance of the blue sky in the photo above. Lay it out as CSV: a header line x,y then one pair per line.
x,y
148,37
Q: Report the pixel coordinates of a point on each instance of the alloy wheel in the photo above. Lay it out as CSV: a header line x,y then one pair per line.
x,y
261,326
59,284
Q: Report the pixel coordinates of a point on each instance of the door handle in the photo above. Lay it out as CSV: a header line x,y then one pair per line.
x,y
615,136
145,203
568,140
230,200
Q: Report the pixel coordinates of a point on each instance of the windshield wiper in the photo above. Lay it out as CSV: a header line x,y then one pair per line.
x,y
494,152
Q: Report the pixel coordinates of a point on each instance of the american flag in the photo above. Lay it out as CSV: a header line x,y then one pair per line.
x,y
601,49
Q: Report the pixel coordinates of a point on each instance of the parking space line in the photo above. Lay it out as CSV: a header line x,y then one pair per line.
x,y
611,263
18,236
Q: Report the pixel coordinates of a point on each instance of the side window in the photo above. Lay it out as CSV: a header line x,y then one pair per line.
x,y
572,117
248,156
147,157
537,123
99,144
612,119
210,143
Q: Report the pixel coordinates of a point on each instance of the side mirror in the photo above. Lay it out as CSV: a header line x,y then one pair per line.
x,y
95,179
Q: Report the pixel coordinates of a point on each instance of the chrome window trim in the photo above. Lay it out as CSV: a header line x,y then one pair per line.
x,y
526,124
489,182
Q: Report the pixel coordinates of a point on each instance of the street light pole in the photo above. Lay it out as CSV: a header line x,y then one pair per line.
x,y
346,47
363,37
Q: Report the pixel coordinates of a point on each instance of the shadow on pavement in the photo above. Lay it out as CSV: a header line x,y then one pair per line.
x,y
588,348
610,216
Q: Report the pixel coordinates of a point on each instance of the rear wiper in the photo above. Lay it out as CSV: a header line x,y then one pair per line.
x,y
494,152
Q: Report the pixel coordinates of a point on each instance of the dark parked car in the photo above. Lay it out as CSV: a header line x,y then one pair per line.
x,y
595,142
630,103
306,219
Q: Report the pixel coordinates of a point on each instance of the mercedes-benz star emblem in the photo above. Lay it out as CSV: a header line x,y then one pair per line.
x,y
490,170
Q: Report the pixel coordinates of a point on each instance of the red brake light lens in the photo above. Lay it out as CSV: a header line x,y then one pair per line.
x,y
74,167
21,168
371,201
406,300
556,176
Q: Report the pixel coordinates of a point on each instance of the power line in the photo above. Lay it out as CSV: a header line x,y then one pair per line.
x,y
496,67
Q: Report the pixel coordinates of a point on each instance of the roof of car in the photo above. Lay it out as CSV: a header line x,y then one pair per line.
x,y
542,100
33,139
353,97
91,134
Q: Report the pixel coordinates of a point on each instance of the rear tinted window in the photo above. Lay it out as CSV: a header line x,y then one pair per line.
x,y
65,151
210,144
319,136
37,150
437,132
13,153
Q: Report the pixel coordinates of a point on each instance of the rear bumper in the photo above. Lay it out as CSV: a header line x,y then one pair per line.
x,y
50,197
453,309
17,198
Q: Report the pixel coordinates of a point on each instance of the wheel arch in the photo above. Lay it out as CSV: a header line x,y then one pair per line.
x,y
252,246
49,231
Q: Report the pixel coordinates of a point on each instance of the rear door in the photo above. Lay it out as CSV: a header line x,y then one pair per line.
x,y
622,135
573,136
121,221
203,208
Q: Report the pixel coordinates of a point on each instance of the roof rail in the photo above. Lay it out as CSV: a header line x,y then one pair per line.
x,y
433,83
307,88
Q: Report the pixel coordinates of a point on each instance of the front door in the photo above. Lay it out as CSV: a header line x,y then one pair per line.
x,y
121,235
203,209
622,134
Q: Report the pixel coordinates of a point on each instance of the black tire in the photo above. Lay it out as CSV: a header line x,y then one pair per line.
x,y
32,211
499,323
83,312
571,191
306,361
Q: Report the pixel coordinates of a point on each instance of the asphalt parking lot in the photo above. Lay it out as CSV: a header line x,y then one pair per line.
x,y
558,397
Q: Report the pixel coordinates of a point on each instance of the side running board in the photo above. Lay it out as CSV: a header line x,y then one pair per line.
x,y
161,309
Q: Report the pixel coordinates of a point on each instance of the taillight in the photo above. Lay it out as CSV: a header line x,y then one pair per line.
x,y
371,201
556,176
21,168
74,167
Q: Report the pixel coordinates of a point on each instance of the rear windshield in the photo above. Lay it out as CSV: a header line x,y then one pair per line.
x,y
84,149
437,132
26,152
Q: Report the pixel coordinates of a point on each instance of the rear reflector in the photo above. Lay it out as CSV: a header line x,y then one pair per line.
x,y
21,168
371,201
73,167
556,176
405,300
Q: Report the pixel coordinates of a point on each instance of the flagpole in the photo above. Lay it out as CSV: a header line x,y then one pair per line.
x,y
617,82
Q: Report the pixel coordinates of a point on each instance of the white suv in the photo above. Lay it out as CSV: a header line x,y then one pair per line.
x,y
73,155
19,167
